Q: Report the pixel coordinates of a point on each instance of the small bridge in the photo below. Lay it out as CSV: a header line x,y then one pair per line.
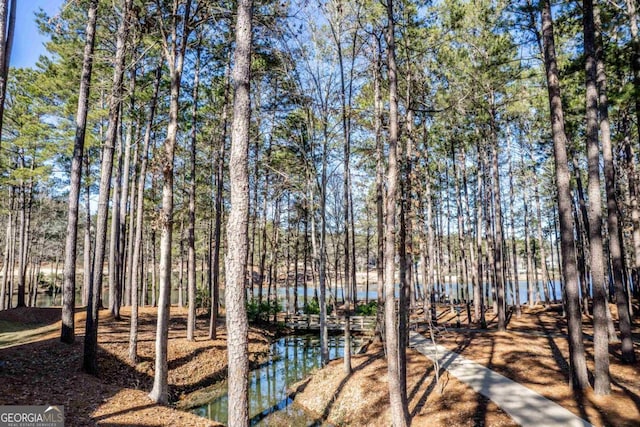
x,y
311,322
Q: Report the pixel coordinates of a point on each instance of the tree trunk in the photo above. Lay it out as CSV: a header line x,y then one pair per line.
x,y
67,334
22,248
115,289
122,284
541,246
600,336
579,378
499,239
478,295
5,302
512,232
137,246
397,396
86,250
379,187
7,30
175,57
90,363
615,244
181,268
235,296
215,297
191,233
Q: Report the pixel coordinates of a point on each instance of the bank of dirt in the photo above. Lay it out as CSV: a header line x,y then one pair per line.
x,y
534,353
39,369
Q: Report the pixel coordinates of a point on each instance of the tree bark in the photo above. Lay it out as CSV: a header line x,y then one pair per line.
x,y
602,384
90,363
174,54
237,245
137,246
86,250
499,239
577,363
379,187
397,396
7,30
615,244
67,334
191,233
122,284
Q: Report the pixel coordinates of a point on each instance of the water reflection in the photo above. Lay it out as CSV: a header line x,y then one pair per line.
x,y
291,359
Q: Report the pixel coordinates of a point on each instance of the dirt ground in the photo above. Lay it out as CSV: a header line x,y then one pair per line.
x,y
36,368
534,352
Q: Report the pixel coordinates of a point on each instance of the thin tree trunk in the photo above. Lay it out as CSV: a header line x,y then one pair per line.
x,y
478,295
174,54
129,269
7,30
379,187
90,362
86,255
541,246
137,246
600,337
124,285
67,334
397,396
499,240
22,248
615,244
512,232
191,279
181,269
6,294
215,297
115,289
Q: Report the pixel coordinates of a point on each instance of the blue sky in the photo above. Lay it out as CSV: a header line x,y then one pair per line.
x,y
28,43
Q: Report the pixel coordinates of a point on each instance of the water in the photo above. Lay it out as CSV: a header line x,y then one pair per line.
x,y
291,359
449,288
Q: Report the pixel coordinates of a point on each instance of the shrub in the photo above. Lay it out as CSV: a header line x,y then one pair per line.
x,y
260,311
313,307
367,309
203,298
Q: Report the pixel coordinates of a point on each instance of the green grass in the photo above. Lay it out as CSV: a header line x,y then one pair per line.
x,y
15,333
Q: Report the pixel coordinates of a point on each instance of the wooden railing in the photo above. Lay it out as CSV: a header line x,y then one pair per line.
x,y
312,322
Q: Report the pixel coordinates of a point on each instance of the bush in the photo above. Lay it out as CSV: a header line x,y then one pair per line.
x,y
203,298
313,307
261,311
370,309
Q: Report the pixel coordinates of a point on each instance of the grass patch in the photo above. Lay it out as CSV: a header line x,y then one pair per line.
x,y
16,333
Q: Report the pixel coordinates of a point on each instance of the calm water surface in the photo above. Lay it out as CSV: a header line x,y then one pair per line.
x,y
291,359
